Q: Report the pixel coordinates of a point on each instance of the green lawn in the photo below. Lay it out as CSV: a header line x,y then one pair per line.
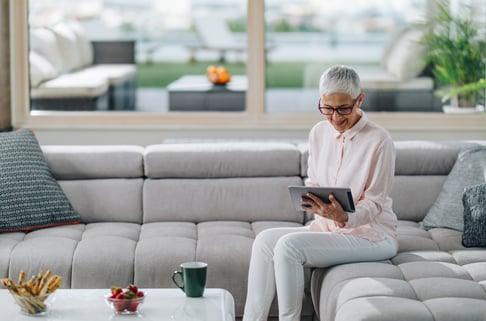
x,y
160,74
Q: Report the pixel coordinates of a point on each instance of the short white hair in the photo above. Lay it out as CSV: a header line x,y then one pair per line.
x,y
340,79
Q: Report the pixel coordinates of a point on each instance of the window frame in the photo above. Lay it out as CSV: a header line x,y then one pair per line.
x,y
254,117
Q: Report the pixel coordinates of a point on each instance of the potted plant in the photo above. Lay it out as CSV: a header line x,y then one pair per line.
x,y
456,53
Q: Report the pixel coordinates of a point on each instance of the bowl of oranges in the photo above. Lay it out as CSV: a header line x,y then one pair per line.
x,y
218,75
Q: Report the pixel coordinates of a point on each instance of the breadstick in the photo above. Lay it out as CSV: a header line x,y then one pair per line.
x,y
30,295
21,278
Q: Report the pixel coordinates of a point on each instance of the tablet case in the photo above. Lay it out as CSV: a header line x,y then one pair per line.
x,y
342,194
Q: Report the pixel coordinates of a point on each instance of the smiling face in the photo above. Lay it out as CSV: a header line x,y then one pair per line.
x,y
341,100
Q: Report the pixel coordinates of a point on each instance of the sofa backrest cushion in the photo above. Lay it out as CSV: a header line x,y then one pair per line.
x,y
68,47
44,42
106,200
406,57
103,183
89,162
247,199
222,160
426,157
221,181
41,69
86,51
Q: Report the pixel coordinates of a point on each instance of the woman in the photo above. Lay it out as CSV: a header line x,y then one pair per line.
x,y
345,150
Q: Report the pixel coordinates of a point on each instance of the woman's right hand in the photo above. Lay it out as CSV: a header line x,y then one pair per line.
x,y
332,211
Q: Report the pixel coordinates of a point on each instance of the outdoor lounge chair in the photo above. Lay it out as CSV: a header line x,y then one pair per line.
x,y
214,34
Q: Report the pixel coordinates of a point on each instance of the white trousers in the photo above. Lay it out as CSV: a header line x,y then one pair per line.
x,y
278,259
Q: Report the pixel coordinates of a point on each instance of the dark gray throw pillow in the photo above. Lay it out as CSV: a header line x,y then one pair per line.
x,y
474,201
30,197
447,211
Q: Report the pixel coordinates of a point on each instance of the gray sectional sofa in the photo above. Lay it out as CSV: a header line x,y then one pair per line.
x,y
145,210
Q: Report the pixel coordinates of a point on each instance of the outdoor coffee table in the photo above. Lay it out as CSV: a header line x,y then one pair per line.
x,y
160,304
196,93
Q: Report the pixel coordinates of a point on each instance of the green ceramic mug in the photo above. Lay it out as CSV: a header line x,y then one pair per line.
x,y
193,276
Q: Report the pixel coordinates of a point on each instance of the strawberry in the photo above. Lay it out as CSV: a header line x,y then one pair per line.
x,y
115,290
132,288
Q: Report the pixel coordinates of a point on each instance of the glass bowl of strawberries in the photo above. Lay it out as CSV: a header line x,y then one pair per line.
x,y
125,301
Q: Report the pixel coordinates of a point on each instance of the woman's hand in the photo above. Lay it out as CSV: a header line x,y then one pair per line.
x,y
332,211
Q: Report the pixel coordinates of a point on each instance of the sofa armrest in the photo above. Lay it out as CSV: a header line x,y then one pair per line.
x,y
114,52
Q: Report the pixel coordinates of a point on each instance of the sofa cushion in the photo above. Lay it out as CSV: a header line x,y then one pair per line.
x,y
68,47
406,58
85,47
468,170
40,69
409,290
375,78
91,161
30,197
222,160
73,85
245,199
44,42
114,73
106,200
474,202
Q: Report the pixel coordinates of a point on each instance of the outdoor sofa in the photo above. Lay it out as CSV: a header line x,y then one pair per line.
x,y
401,82
70,72
145,210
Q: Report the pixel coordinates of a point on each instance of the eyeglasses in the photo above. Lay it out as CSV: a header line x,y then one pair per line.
x,y
342,110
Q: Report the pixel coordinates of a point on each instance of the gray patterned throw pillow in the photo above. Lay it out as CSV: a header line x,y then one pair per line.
x,y
474,201
30,198
469,169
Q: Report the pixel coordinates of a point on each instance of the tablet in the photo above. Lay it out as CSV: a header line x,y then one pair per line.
x,y
342,195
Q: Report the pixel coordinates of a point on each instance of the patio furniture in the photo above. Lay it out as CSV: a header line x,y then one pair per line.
x,y
399,83
70,72
214,34
196,93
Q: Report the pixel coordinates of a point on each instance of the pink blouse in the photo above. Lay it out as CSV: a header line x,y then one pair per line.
x,y
362,158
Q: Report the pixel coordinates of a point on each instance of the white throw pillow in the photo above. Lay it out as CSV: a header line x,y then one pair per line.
x,y
40,69
406,59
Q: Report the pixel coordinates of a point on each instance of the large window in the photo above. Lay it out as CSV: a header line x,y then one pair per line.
x,y
158,53
378,38
278,51
149,56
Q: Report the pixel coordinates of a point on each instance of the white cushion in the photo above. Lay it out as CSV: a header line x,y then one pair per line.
x,y
115,73
76,84
40,69
44,42
84,44
374,77
68,47
406,58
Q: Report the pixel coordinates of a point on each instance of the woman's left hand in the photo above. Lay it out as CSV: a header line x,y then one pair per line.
x,y
332,211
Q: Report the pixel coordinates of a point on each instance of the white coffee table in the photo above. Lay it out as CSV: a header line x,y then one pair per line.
x,y
160,304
